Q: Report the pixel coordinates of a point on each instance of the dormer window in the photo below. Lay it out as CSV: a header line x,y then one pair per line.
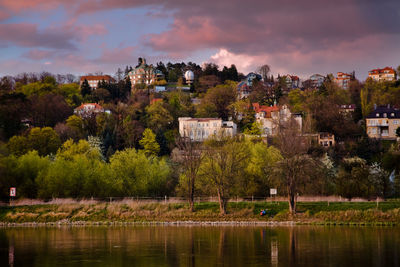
x,y
385,115
377,114
392,114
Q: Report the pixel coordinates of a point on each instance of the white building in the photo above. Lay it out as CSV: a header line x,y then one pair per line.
x,y
200,129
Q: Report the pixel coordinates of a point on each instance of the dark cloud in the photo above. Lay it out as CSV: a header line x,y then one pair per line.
x,y
28,35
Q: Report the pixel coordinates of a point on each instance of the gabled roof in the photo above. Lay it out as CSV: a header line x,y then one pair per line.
x,y
83,106
379,71
266,109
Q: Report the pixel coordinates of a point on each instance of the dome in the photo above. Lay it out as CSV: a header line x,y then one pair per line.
x,y
189,75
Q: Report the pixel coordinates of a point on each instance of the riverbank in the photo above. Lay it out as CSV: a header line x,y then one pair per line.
x,y
131,212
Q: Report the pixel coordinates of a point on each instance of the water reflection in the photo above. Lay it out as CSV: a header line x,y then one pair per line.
x,y
200,246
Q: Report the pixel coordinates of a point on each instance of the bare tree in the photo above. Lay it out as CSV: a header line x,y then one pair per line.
x,y
296,170
189,156
264,71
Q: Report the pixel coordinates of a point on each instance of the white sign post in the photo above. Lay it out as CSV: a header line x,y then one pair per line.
x,y
13,193
273,192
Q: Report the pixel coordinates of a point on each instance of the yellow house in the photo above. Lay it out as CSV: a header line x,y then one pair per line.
x,y
383,122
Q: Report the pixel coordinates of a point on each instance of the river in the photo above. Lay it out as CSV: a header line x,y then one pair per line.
x,y
200,246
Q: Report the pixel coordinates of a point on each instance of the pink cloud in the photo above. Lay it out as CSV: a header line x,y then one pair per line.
x,y
4,15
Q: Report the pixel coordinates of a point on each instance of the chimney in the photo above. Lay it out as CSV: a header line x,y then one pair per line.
x,y
374,106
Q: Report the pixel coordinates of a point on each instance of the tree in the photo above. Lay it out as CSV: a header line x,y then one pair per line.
x,y
218,101
259,170
44,140
49,109
224,162
264,71
189,155
77,171
138,175
296,168
206,82
18,145
14,108
27,170
149,143
255,129
353,178
85,88
159,117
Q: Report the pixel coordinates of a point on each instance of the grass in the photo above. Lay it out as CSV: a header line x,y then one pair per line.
x,y
335,213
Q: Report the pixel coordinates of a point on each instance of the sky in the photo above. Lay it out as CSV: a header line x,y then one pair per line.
x,y
298,37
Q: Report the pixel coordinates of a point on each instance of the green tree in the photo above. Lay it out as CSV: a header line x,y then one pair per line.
x,y
255,129
137,175
27,170
223,163
158,117
75,122
18,145
44,140
259,170
366,106
353,178
149,143
218,101
71,93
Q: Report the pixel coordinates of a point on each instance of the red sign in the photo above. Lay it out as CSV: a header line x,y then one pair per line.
x,y
13,191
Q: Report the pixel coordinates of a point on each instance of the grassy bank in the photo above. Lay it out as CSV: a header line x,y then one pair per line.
x,y
308,212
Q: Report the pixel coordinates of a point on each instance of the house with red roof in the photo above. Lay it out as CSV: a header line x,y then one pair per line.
x,y
380,75
88,109
270,117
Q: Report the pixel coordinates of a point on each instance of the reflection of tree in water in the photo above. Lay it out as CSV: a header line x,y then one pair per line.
x,y
292,246
201,246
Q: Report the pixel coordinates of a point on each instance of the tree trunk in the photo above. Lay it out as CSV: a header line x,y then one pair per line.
x,y
191,190
191,198
292,203
222,202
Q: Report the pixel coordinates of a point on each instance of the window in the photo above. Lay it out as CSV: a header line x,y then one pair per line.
x,y
395,122
392,114
385,115
377,114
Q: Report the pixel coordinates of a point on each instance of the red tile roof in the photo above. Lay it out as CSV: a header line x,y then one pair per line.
x,y
97,106
268,110
378,71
